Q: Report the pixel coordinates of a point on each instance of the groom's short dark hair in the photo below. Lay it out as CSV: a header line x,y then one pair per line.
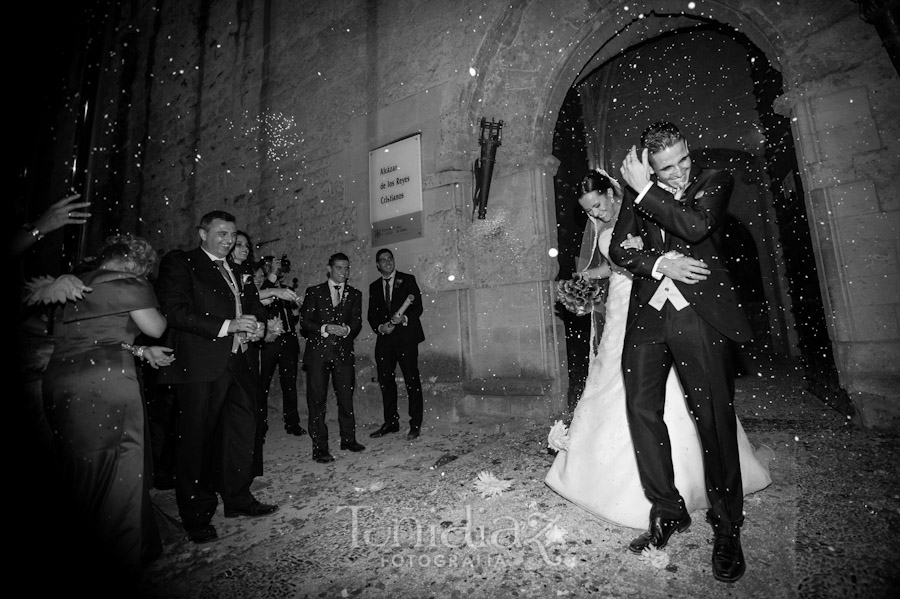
x,y
659,136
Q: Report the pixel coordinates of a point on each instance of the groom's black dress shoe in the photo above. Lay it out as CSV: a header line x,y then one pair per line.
x,y
352,446
323,458
659,533
728,558
254,510
385,429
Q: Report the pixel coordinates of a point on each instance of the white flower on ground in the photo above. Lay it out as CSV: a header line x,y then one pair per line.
x,y
372,488
558,437
657,558
556,534
489,485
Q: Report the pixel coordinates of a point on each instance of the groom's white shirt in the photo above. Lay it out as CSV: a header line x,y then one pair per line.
x,y
667,290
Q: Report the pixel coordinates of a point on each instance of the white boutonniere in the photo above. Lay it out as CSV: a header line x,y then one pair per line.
x,y
246,278
397,281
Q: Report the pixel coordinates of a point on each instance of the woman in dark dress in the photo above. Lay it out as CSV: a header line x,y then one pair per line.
x,y
92,400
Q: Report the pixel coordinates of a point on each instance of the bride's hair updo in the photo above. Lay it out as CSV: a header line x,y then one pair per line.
x,y
594,181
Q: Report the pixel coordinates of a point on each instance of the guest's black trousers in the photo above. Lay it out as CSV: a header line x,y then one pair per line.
x,y
216,426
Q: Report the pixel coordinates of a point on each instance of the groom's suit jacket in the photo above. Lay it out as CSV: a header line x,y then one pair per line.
x,y
196,300
317,310
693,227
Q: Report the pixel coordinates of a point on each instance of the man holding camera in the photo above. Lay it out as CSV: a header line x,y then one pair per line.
x,y
282,347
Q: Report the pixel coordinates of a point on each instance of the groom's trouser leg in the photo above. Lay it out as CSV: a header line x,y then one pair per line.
x,y
645,366
704,361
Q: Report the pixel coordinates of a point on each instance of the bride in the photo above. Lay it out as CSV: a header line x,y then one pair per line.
x,y
595,467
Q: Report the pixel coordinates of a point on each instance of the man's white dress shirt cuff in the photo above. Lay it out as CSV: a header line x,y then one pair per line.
x,y
644,191
655,272
223,331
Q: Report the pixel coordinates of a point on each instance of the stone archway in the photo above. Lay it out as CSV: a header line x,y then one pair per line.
x,y
615,28
843,156
753,202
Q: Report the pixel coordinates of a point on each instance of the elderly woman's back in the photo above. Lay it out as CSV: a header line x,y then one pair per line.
x,y
93,403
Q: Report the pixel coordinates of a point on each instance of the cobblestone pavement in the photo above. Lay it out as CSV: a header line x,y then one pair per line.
x,y
404,519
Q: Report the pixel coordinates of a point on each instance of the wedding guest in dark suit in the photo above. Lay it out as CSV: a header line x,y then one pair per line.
x,y
331,318
399,336
214,316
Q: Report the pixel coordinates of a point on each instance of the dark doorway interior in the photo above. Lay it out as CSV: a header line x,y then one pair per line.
x,y
786,188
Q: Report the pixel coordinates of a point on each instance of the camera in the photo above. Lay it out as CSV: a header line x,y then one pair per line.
x,y
279,266
285,264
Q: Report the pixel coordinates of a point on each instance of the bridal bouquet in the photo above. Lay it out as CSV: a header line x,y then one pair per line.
x,y
579,295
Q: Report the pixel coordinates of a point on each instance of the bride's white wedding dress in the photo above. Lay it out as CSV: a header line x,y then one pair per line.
x,y
598,470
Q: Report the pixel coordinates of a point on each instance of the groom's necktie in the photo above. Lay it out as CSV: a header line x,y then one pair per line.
x,y
387,293
237,342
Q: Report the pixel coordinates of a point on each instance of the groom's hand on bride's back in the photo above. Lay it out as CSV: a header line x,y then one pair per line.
x,y
684,269
632,242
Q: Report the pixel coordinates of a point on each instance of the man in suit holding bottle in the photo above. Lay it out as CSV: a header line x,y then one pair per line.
x,y
213,317
330,319
395,308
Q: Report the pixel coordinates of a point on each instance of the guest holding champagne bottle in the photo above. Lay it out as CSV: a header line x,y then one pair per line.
x,y
399,335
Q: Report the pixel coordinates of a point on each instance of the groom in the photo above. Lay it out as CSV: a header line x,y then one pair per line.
x,y
683,311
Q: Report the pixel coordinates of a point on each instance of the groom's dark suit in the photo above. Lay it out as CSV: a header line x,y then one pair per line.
x,y
215,388
697,339
330,354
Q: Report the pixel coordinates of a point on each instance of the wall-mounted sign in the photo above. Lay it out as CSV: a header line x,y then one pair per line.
x,y
395,191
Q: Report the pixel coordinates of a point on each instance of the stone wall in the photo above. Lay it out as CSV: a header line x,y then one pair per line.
x,y
268,109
